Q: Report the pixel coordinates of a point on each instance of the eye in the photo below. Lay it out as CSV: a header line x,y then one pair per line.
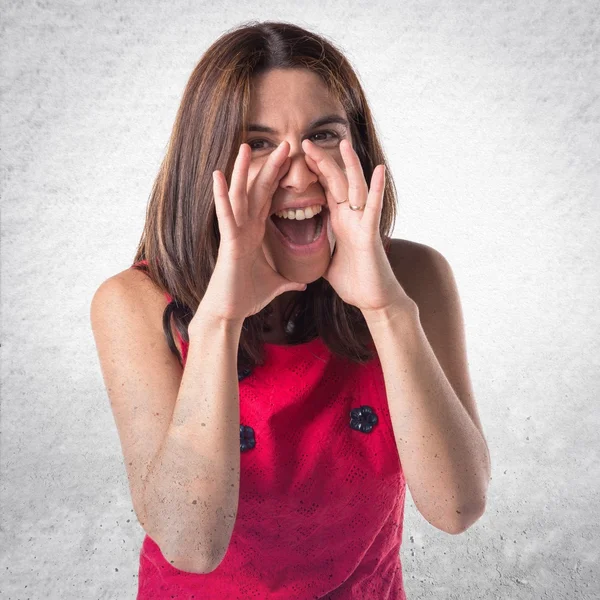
x,y
334,135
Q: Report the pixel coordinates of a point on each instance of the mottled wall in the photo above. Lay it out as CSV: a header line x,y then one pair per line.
x,y
490,115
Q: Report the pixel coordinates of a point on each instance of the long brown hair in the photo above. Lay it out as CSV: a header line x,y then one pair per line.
x,y
180,239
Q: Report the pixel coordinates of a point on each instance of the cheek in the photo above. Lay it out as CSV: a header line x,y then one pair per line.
x,y
340,162
330,237
268,252
253,171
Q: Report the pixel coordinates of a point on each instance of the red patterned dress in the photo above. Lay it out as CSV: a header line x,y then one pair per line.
x,y
322,490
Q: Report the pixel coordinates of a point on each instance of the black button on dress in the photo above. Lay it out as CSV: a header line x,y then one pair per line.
x,y
363,419
247,440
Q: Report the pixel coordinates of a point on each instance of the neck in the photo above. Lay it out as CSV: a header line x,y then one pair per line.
x,y
281,303
276,326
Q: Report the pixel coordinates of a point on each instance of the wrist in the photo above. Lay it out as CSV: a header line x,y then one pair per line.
x,y
405,309
206,320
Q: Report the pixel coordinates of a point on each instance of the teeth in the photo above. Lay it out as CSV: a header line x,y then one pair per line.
x,y
300,213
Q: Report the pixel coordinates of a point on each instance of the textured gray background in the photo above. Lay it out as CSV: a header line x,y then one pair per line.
x,y
489,114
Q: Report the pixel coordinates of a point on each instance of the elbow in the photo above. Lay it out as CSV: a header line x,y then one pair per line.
x,y
193,557
191,564
210,565
183,559
468,513
187,564
463,520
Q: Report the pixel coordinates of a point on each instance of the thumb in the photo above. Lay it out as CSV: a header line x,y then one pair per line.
x,y
293,287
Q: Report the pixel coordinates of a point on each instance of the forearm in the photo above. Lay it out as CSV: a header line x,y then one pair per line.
x,y
192,487
444,455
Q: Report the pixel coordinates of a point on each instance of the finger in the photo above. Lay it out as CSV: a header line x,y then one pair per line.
x,y
239,178
357,186
225,216
266,181
312,165
332,177
283,169
292,287
372,213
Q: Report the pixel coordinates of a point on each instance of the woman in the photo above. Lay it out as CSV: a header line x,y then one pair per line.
x,y
306,367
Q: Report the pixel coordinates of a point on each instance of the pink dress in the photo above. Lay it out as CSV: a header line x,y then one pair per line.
x,y
322,490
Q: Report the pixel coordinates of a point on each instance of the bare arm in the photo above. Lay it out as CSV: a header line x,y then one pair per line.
x,y
192,487
179,428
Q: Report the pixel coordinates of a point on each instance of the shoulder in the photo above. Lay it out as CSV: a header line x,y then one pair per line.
x,y
133,290
419,268
134,284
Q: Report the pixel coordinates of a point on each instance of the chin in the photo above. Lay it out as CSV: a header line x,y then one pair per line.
x,y
303,269
304,273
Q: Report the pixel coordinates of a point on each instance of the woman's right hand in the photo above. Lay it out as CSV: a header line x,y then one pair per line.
x,y
243,282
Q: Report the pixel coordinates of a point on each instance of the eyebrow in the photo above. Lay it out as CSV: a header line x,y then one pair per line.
x,y
325,120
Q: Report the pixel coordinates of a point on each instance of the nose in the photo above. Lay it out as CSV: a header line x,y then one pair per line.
x,y
298,177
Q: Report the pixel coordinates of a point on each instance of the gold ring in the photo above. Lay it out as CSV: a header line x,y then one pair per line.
x,y
356,207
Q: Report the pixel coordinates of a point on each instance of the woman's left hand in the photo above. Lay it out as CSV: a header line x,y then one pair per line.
x,y
359,271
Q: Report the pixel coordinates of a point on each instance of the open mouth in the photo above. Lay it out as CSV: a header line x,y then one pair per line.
x,y
300,232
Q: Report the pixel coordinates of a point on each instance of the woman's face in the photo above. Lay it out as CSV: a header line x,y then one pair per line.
x,y
288,101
